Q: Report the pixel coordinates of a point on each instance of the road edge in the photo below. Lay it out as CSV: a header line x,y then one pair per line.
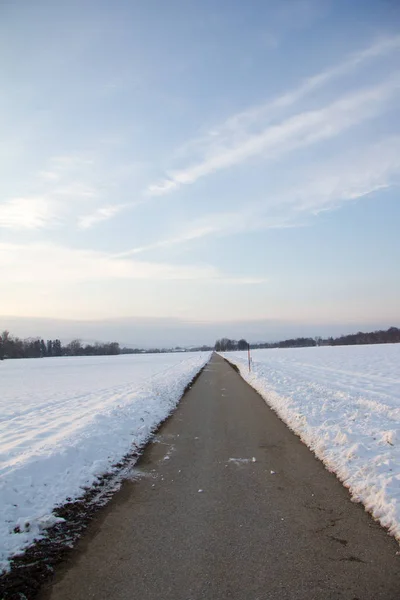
x,y
30,570
352,498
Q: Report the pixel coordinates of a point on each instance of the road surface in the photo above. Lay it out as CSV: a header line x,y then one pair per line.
x,y
229,504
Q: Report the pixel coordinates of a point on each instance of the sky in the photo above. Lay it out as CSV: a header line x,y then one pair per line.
x,y
198,168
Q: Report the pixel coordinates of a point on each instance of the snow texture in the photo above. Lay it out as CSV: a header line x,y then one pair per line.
x,y
344,403
66,421
242,461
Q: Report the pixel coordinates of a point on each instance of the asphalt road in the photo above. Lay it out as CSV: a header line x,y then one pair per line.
x,y
206,520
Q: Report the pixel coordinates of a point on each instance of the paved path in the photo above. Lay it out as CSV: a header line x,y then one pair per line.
x,y
204,521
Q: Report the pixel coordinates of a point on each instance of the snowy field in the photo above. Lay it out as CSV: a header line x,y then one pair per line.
x,y
344,403
65,421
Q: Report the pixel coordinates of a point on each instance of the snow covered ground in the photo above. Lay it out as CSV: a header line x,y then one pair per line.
x,y
344,403
65,421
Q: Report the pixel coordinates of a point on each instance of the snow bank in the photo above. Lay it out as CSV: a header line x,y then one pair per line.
x,y
344,403
66,421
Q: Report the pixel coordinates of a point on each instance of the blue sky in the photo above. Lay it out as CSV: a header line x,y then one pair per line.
x,y
207,162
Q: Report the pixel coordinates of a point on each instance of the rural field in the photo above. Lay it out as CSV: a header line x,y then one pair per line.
x,y
65,421
224,470
344,403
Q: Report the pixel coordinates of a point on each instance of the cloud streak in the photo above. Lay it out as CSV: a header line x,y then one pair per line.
x,y
324,187
26,213
238,124
249,134
193,233
351,177
295,132
44,263
379,48
70,185
101,214
215,224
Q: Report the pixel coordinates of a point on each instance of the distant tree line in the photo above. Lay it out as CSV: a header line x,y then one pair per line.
x,y
15,347
225,345
165,350
388,336
35,347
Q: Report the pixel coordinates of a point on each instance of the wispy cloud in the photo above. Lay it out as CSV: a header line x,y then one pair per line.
x,y
48,175
380,48
325,186
57,193
43,262
26,213
256,132
235,140
101,214
51,208
76,189
349,177
188,235
247,219
263,114
295,132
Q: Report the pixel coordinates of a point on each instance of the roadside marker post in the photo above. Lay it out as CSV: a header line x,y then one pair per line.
x,y
248,351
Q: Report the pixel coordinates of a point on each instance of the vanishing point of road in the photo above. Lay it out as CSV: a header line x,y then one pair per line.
x,y
228,504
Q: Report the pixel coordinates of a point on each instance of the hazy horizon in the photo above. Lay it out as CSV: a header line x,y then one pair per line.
x,y
146,333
